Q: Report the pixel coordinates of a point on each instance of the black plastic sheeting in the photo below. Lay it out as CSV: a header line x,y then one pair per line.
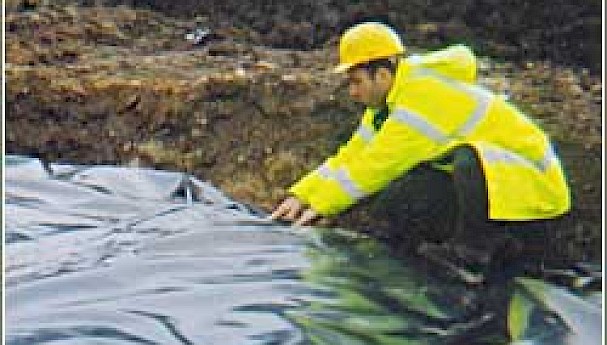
x,y
117,255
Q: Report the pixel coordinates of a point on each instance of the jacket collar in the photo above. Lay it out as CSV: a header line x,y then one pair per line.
x,y
402,72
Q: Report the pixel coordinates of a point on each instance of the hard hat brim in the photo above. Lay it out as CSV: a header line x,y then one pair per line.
x,y
343,67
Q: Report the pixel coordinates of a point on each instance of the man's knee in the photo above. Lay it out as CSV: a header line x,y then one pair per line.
x,y
422,201
468,172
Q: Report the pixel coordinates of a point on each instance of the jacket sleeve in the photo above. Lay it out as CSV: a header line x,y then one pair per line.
x,y
393,151
315,180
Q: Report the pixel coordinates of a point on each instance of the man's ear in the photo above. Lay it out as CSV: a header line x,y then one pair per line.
x,y
383,75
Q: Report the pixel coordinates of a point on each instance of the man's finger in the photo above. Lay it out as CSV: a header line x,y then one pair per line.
x,y
292,212
306,217
279,211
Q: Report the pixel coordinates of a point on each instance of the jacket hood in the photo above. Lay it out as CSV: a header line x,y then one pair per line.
x,y
456,62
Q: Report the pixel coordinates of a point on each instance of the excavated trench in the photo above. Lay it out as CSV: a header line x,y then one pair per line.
x,y
254,107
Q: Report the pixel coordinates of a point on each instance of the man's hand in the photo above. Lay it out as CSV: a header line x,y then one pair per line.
x,y
290,209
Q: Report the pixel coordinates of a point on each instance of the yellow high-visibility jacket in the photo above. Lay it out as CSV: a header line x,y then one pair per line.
x,y
435,107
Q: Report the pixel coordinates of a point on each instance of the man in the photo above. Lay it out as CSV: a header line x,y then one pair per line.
x,y
426,111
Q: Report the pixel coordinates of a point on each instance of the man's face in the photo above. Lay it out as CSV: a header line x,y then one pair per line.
x,y
371,90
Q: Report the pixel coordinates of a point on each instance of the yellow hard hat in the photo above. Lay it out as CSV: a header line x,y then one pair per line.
x,y
366,42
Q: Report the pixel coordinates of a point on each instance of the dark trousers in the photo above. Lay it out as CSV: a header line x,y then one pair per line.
x,y
505,240
472,224
430,205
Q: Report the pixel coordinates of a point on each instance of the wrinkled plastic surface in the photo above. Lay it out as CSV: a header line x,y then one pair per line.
x,y
116,255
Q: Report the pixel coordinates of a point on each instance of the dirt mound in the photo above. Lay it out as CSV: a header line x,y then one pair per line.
x,y
565,31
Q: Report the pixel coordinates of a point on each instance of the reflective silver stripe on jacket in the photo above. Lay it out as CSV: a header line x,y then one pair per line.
x,y
324,171
347,184
365,133
549,158
483,100
415,59
342,177
495,155
420,124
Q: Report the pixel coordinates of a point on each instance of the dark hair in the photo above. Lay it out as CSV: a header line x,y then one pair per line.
x,y
372,66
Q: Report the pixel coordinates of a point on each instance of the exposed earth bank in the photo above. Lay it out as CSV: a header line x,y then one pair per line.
x,y
254,106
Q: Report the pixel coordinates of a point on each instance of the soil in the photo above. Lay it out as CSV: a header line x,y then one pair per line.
x,y
253,106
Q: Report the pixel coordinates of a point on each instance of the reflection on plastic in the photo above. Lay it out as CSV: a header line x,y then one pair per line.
x,y
122,255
